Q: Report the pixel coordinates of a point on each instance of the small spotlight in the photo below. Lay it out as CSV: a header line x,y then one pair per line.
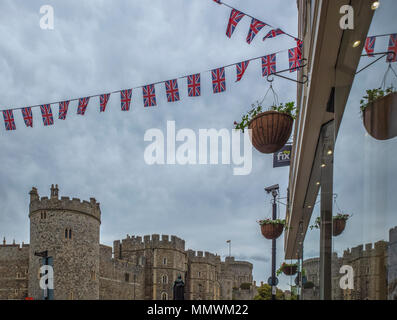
x,y
329,152
323,165
375,5
318,183
309,207
356,43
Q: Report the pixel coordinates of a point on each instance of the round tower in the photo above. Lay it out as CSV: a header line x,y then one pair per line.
x,y
68,231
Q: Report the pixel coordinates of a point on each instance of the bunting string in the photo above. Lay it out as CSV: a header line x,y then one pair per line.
x,y
392,47
235,17
218,78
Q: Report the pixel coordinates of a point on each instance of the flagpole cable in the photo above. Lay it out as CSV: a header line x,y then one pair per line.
x,y
248,15
136,87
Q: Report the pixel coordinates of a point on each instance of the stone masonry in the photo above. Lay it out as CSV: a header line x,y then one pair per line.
x,y
135,268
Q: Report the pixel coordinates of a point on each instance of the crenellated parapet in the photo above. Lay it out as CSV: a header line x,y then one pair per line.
x,y
135,243
368,250
90,208
14,251
203,257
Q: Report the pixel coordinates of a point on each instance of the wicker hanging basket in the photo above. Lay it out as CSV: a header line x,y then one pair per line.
x,y
272,231
338,227
290,270
270,131
380,117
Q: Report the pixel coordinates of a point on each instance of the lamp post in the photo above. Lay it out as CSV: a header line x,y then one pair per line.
x,y
274,191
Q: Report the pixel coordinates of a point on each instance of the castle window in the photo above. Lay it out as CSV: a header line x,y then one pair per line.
x,y
43,215
70,233
71,295
165,261
164,279
66,233
93,275
199,274
127,277
164,296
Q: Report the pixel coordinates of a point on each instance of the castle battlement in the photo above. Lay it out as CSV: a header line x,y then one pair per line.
x,y
64,203
203,257
367,251
132,243
231,260
13,251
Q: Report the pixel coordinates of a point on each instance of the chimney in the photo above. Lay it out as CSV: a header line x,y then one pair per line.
x,y
54,191
33,194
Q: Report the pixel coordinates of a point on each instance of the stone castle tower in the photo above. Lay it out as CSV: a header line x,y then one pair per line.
x,y
163,260
69,231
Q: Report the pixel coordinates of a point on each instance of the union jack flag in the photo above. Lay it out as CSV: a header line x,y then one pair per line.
x,y
370,46
255,27
63,110
171,88
240,68
299,45
27,116
294,56
218,80
46,113
235,17
103,101
273,33
268,64
9,120
125,96
218,1
149,95
194,85
393,48
83,102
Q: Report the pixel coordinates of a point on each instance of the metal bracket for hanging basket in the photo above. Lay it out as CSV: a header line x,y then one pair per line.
x,y
382,55
277,73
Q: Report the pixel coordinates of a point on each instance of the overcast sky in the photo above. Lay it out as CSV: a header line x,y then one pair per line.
x,y
99,46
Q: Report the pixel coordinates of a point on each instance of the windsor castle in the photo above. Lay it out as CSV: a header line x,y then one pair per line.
x,y
135,268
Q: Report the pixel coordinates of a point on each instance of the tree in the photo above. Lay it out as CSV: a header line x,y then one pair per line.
x,y
265,293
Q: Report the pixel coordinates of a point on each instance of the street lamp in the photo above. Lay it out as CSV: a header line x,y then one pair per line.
x,y
273,280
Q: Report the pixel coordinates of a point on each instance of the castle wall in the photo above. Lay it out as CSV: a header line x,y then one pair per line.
x,y
392,264
118,279
14,266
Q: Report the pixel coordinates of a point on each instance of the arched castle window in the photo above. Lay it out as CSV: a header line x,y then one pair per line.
x,y
68,233
71,295
164,279
164,296
43,215
165,261
93,275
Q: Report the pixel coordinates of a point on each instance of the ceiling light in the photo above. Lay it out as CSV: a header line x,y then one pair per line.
x,y
356,43
375,5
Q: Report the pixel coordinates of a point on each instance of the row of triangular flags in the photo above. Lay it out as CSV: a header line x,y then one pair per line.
x,y
370,47
149,93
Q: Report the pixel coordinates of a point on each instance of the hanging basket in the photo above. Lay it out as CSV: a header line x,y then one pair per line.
x,y
272,231
380,117
338,227
290,270
270,131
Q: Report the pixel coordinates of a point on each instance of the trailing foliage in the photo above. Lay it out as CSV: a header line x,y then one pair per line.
x,y
339,216
373,95
270,221
288,108
285,265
